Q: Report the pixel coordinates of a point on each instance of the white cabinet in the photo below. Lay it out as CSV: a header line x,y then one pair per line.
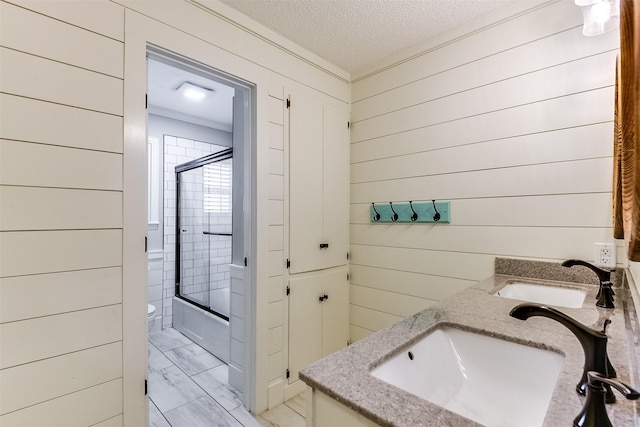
x,y
318,184
323,411
318,317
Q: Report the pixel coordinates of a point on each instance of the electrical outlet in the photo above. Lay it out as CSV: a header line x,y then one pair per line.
x,y
605,254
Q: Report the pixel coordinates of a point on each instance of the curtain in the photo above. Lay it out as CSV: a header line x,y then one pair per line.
x,y
626,170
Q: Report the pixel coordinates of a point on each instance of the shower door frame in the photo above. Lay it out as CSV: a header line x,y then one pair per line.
x,y
194,164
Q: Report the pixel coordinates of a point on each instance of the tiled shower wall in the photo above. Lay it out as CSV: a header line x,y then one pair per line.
x,y
219,261
176,151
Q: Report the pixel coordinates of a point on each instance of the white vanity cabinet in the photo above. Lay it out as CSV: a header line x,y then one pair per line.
x,y
323,411
318,317
318,184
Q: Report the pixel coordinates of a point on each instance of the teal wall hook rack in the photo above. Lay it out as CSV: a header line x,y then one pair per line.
x,y
408,212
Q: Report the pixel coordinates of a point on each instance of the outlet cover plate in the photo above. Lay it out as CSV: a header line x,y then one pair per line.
x,y
605,255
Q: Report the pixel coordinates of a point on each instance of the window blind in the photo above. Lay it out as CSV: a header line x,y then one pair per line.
x,y
217,187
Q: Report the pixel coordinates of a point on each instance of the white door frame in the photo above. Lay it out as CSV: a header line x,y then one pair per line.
x,y
140,33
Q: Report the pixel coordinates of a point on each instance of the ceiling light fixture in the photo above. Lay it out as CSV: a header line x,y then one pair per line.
x,y
600,16
193,91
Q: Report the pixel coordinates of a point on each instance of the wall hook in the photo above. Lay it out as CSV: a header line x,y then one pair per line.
x,y
436,217
414,216
394,217
376,217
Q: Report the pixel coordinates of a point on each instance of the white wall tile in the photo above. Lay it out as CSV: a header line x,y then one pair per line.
x,y
237,353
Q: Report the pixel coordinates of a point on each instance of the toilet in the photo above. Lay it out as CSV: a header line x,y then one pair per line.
x,y
151,317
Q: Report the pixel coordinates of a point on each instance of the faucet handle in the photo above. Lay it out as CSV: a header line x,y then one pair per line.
x,y
594,412
606,325
599,381
605,296
595,379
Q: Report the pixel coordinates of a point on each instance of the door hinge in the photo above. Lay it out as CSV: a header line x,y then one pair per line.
x,y
348,125
288,263
348,277
245,261
348,343
288,290
348,256
146,239
288,103
146,387
288,373
146,101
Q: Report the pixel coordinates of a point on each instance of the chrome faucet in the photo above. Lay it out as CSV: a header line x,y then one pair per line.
x,y
594,343
594,412
605,293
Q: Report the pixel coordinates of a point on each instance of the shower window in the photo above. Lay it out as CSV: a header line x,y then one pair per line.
x,y
217,188
204,230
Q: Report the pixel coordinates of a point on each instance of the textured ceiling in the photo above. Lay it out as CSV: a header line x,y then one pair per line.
x,y
354,33
348,33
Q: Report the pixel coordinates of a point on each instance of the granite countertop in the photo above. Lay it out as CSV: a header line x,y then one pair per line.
x,y
344,375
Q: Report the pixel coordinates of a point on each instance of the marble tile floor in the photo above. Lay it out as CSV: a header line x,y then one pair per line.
x,y
188,387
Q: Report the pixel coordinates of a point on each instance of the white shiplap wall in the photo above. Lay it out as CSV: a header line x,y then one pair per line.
x,y
276,271
513,125
213,34
61,145
64,309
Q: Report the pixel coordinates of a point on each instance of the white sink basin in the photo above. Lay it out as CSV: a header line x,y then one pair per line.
x,y
488,380
552,295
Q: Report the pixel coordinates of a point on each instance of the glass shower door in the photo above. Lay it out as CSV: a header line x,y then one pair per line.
x,y
218,209
204,224
193,244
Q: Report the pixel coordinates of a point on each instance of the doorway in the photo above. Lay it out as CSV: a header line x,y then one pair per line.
x,y
199,232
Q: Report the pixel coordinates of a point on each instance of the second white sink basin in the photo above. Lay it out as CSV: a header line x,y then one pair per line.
x,y
488,380
541,294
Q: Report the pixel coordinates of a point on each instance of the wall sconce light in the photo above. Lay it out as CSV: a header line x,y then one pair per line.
x,y
599,16
193,92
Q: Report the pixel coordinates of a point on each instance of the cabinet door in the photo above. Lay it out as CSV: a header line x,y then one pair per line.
x,y
305,182
336,186
305,323
335,312
317,328
318,185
